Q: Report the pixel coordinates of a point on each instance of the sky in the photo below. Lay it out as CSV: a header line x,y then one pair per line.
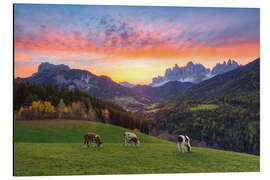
x,y
132,43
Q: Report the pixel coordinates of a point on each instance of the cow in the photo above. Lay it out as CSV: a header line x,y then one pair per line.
x,y
182,141
92,138
131,138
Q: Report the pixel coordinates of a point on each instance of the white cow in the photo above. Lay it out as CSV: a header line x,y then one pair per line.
x,y
183,141
131,137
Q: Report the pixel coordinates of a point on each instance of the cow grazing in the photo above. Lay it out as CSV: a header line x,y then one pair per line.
x,y
92,138
131,138
182,142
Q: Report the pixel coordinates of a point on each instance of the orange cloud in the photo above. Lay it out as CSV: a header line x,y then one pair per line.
x,y
142,45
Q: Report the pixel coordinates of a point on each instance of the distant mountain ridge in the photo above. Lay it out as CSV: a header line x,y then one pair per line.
x,y
225,67
126,84
241,80
103,87
194,73
99,86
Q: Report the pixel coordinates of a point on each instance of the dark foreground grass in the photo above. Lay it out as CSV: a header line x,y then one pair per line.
x,y
55,148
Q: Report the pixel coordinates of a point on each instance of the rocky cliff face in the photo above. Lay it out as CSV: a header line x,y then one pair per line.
x,y
46,67
225,67
194,73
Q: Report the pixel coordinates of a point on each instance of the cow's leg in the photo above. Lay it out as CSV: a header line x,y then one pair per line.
x,y
84,143
128,142
189,146
182,146
178,145
88,143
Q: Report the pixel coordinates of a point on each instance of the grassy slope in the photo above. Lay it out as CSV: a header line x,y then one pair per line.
x,y
55,148
204,107
71,131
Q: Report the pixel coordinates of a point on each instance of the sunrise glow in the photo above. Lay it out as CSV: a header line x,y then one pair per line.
x,y
132,44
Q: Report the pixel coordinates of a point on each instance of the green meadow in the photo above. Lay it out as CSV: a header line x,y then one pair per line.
x,y
204,107
55,147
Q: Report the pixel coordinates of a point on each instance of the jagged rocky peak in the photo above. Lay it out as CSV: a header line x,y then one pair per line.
x,y
190,63
158,81
176,66
193,72
225,67
189,73
46,67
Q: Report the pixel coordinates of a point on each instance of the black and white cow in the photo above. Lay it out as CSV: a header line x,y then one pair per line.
x,y
182,142
131,138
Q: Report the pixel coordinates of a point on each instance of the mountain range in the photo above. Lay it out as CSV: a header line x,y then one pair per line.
x,y
220,78
194,73
241,80
135,96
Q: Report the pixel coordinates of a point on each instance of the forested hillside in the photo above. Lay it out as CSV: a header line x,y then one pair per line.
x,y
231,123
222,112
40,101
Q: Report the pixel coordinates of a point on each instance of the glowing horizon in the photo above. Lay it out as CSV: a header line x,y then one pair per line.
x,y
132,43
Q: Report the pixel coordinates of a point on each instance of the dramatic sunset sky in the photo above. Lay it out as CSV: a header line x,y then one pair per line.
x,y
132,44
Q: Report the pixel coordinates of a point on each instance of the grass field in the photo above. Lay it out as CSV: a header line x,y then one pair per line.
x,y
204,107
55,148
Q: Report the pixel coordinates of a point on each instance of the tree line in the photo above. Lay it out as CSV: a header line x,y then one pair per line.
x,y
40,101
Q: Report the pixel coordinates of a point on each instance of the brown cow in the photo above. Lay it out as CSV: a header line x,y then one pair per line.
x,y
92,138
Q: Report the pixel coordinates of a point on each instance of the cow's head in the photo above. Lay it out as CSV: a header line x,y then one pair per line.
x,y
136,141
189,148
98,141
